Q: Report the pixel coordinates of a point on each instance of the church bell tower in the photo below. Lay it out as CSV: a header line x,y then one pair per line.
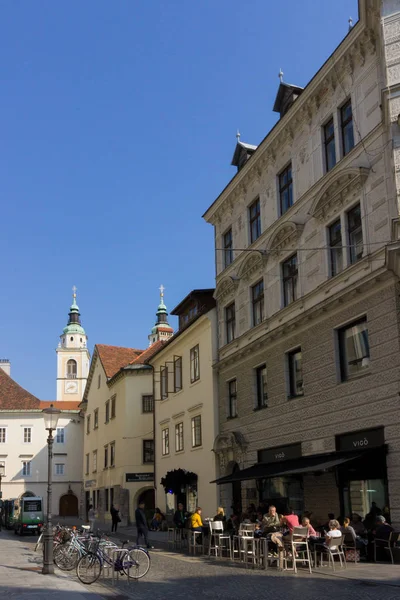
x,y
73,357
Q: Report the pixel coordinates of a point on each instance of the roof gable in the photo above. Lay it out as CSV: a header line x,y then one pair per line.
x,y
15,397
114,358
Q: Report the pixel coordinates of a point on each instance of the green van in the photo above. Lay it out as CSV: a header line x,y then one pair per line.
x,y
28,515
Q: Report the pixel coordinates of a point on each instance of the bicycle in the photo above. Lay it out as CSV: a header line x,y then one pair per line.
x,y
67,555
134,563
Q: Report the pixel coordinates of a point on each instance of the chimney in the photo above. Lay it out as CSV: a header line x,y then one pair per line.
x,y
5,365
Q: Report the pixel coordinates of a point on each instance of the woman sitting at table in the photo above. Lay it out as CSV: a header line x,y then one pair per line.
x,y
306,523
220,516
348,531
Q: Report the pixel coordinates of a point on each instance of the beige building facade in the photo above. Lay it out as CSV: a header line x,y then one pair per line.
x,y
118,454
308,325
185,402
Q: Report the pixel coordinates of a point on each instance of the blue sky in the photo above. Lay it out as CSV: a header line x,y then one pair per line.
x,y
118,128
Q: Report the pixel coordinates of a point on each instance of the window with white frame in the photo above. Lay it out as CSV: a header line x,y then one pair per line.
x,y
261,387
164,382
179,437
60,435
59,469
26,468
177,373
335,248
3,435
87,464
232,399
27,435
295,366
94,461
289,277
354,229
165,441
196,432
112,454
354,349
194,364
230,322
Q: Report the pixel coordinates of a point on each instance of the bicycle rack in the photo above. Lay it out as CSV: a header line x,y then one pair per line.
x,y
114,556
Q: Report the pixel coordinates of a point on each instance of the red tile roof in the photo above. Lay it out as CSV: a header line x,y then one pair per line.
x,y
61,404
147,354
13,396
113,358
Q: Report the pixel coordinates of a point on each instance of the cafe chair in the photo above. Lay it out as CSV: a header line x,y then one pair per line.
x,y
219,540
389,544
333,549
297,549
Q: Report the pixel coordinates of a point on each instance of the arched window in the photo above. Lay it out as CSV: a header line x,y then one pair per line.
x,y
71,369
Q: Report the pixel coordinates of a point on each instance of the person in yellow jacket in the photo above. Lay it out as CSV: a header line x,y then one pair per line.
x,y
196,522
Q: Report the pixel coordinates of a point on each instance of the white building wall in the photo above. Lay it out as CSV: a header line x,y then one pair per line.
x,y
14,451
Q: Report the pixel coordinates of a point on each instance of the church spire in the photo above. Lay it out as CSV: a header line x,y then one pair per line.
x,y
74,317
161,329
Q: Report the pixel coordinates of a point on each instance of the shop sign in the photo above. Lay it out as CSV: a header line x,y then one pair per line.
x,y
281,453
132,477
361,440
90,483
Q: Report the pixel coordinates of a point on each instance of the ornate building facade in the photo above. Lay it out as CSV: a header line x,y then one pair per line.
x,y
308,312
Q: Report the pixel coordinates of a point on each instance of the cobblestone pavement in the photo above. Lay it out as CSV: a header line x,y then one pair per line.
x,y
178,576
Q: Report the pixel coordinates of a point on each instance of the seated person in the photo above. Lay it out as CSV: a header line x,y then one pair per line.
x,y
357,524
157,520
195,520
306,523
220,516
382,529
259,519
350,535
179,517
291,519
334,532
270,520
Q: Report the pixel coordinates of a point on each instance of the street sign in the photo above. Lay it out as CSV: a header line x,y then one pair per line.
x,y
132,477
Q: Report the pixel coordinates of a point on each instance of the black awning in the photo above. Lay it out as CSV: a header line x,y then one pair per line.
x,y
296,466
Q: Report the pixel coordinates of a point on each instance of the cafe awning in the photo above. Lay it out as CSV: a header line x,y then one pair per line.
x,y
306,464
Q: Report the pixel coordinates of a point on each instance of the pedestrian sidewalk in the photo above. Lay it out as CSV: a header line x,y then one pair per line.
x,y
21,576
158,538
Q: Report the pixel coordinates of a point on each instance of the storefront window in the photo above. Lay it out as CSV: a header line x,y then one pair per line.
x,y
360,495
282,492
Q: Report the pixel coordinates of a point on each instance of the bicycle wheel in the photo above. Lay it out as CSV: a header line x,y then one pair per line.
x,y
88,568
66,557
136,563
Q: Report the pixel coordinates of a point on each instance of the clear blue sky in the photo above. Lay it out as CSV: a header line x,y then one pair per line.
x,y
118,123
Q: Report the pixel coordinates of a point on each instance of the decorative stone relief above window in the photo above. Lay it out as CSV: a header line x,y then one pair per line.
x,y
254,262
284,236
338,190
226,288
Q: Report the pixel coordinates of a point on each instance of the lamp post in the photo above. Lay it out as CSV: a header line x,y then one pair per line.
x,y
50,422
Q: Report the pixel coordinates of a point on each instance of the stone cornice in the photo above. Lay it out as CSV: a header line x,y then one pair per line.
x,y
225,288
285,234
359,42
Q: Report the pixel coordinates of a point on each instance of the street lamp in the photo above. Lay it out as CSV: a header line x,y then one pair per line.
x,y
50,422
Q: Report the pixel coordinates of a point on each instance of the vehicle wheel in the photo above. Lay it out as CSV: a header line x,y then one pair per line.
x,y
136,563
88,568
66,557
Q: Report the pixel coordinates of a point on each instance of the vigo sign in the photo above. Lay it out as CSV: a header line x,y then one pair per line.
x,y
361,440
270,455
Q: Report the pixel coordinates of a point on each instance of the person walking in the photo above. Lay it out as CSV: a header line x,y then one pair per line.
x,y
91,517
141,525
115,518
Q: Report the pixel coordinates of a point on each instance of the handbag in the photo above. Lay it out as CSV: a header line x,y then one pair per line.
x,y
352,555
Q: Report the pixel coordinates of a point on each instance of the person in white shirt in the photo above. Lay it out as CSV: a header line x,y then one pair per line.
x,y
334,532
